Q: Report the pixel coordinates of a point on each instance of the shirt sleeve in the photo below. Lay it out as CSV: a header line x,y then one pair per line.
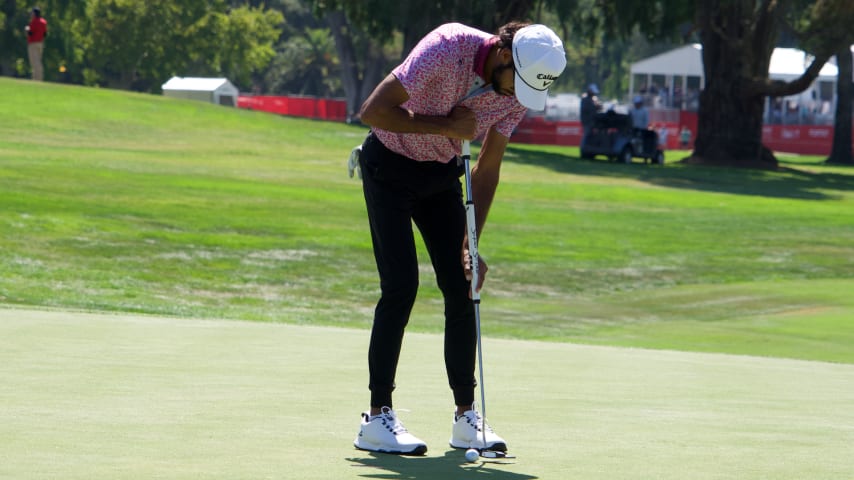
x,y
426,68
506,125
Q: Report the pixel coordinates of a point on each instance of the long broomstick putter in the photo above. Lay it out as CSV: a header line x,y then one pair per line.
x,y
471,226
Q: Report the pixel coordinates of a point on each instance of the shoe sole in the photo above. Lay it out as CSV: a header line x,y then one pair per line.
x,y
500,446
419,450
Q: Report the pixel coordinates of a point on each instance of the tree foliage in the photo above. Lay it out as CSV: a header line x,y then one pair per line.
x,y
139,44
335,47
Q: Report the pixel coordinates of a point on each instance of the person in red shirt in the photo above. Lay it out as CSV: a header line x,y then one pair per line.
x,y
36,31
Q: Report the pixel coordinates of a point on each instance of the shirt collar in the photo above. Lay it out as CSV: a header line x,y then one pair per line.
x,y
482,53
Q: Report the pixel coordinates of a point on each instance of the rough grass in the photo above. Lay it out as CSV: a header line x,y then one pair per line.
x,y
120,202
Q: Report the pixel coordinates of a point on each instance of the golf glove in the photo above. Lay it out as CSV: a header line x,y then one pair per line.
x,y
353,162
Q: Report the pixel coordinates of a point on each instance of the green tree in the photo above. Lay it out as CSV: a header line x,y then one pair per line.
x,y
305,61
14,15
363,60
593,54
139,44
306,65
235,43
364,31
59,50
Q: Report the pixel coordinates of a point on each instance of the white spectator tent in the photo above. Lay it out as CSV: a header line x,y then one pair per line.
x,y
214,90
676,77
681,68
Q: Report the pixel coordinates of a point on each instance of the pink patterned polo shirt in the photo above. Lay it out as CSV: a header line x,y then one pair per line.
x,y
437,75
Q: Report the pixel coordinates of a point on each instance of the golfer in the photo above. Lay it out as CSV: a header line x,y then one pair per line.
x,y
457,83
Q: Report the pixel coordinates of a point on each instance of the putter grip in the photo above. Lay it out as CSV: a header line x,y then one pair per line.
x,y
472,234
471,225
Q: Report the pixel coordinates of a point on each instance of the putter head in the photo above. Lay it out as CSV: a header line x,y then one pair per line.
x,y
495,454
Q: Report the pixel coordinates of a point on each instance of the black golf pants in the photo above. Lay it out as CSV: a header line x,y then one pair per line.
x,y
399,192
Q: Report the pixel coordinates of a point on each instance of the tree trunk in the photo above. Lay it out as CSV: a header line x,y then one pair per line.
x,y
735,58
841,151
360,74
343,36
373,71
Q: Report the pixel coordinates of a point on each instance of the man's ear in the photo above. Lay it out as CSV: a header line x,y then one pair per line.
x,y
506,55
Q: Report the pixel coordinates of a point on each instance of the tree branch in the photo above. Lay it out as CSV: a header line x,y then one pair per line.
x,y
780,88
765,27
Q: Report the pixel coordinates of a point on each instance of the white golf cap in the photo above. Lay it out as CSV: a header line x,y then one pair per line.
x,y
539,58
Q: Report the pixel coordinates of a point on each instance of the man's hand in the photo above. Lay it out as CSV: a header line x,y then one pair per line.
x,y
463,123
482,268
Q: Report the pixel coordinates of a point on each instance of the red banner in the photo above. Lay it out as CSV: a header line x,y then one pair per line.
x,y
799,139
307,107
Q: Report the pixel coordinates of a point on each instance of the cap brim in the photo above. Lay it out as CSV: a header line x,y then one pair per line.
x,y
529,97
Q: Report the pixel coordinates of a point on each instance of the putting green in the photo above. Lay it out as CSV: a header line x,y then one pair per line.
x,y
92,396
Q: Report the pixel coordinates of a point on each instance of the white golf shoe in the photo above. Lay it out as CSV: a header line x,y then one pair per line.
x,y
468,432
384,433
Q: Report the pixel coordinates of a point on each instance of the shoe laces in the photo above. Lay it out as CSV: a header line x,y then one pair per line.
x,y
474,419
390,421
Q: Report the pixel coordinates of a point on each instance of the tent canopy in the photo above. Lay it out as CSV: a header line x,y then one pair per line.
x,y
686,60
791,63
786,63
214,90
675,78
197,84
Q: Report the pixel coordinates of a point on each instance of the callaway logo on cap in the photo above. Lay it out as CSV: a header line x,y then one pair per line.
x,y
539,59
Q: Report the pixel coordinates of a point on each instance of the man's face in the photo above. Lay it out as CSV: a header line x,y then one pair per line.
x,y
503,79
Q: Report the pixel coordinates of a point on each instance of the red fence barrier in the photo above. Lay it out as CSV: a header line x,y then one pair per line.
x,y
803,139
799,139
307,107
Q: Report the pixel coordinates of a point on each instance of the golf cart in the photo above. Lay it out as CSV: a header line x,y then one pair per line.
x,y
612,135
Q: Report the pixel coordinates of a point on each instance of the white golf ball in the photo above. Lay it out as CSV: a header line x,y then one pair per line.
x,y
472,455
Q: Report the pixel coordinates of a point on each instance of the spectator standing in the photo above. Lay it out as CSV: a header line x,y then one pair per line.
x,y
36,31
685,137
662,136
590,105
639,114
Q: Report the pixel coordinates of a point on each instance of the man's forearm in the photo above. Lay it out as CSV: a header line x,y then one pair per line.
x,y
383,110
484,185
400,120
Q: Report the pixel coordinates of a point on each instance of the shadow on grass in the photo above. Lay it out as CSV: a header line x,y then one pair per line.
x,y
787,182
451,465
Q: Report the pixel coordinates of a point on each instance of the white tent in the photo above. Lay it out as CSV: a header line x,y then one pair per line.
x,y
685,61
214,90
676,77
791,63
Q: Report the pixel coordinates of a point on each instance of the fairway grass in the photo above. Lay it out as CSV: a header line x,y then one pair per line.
x,y
93,396
129,203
